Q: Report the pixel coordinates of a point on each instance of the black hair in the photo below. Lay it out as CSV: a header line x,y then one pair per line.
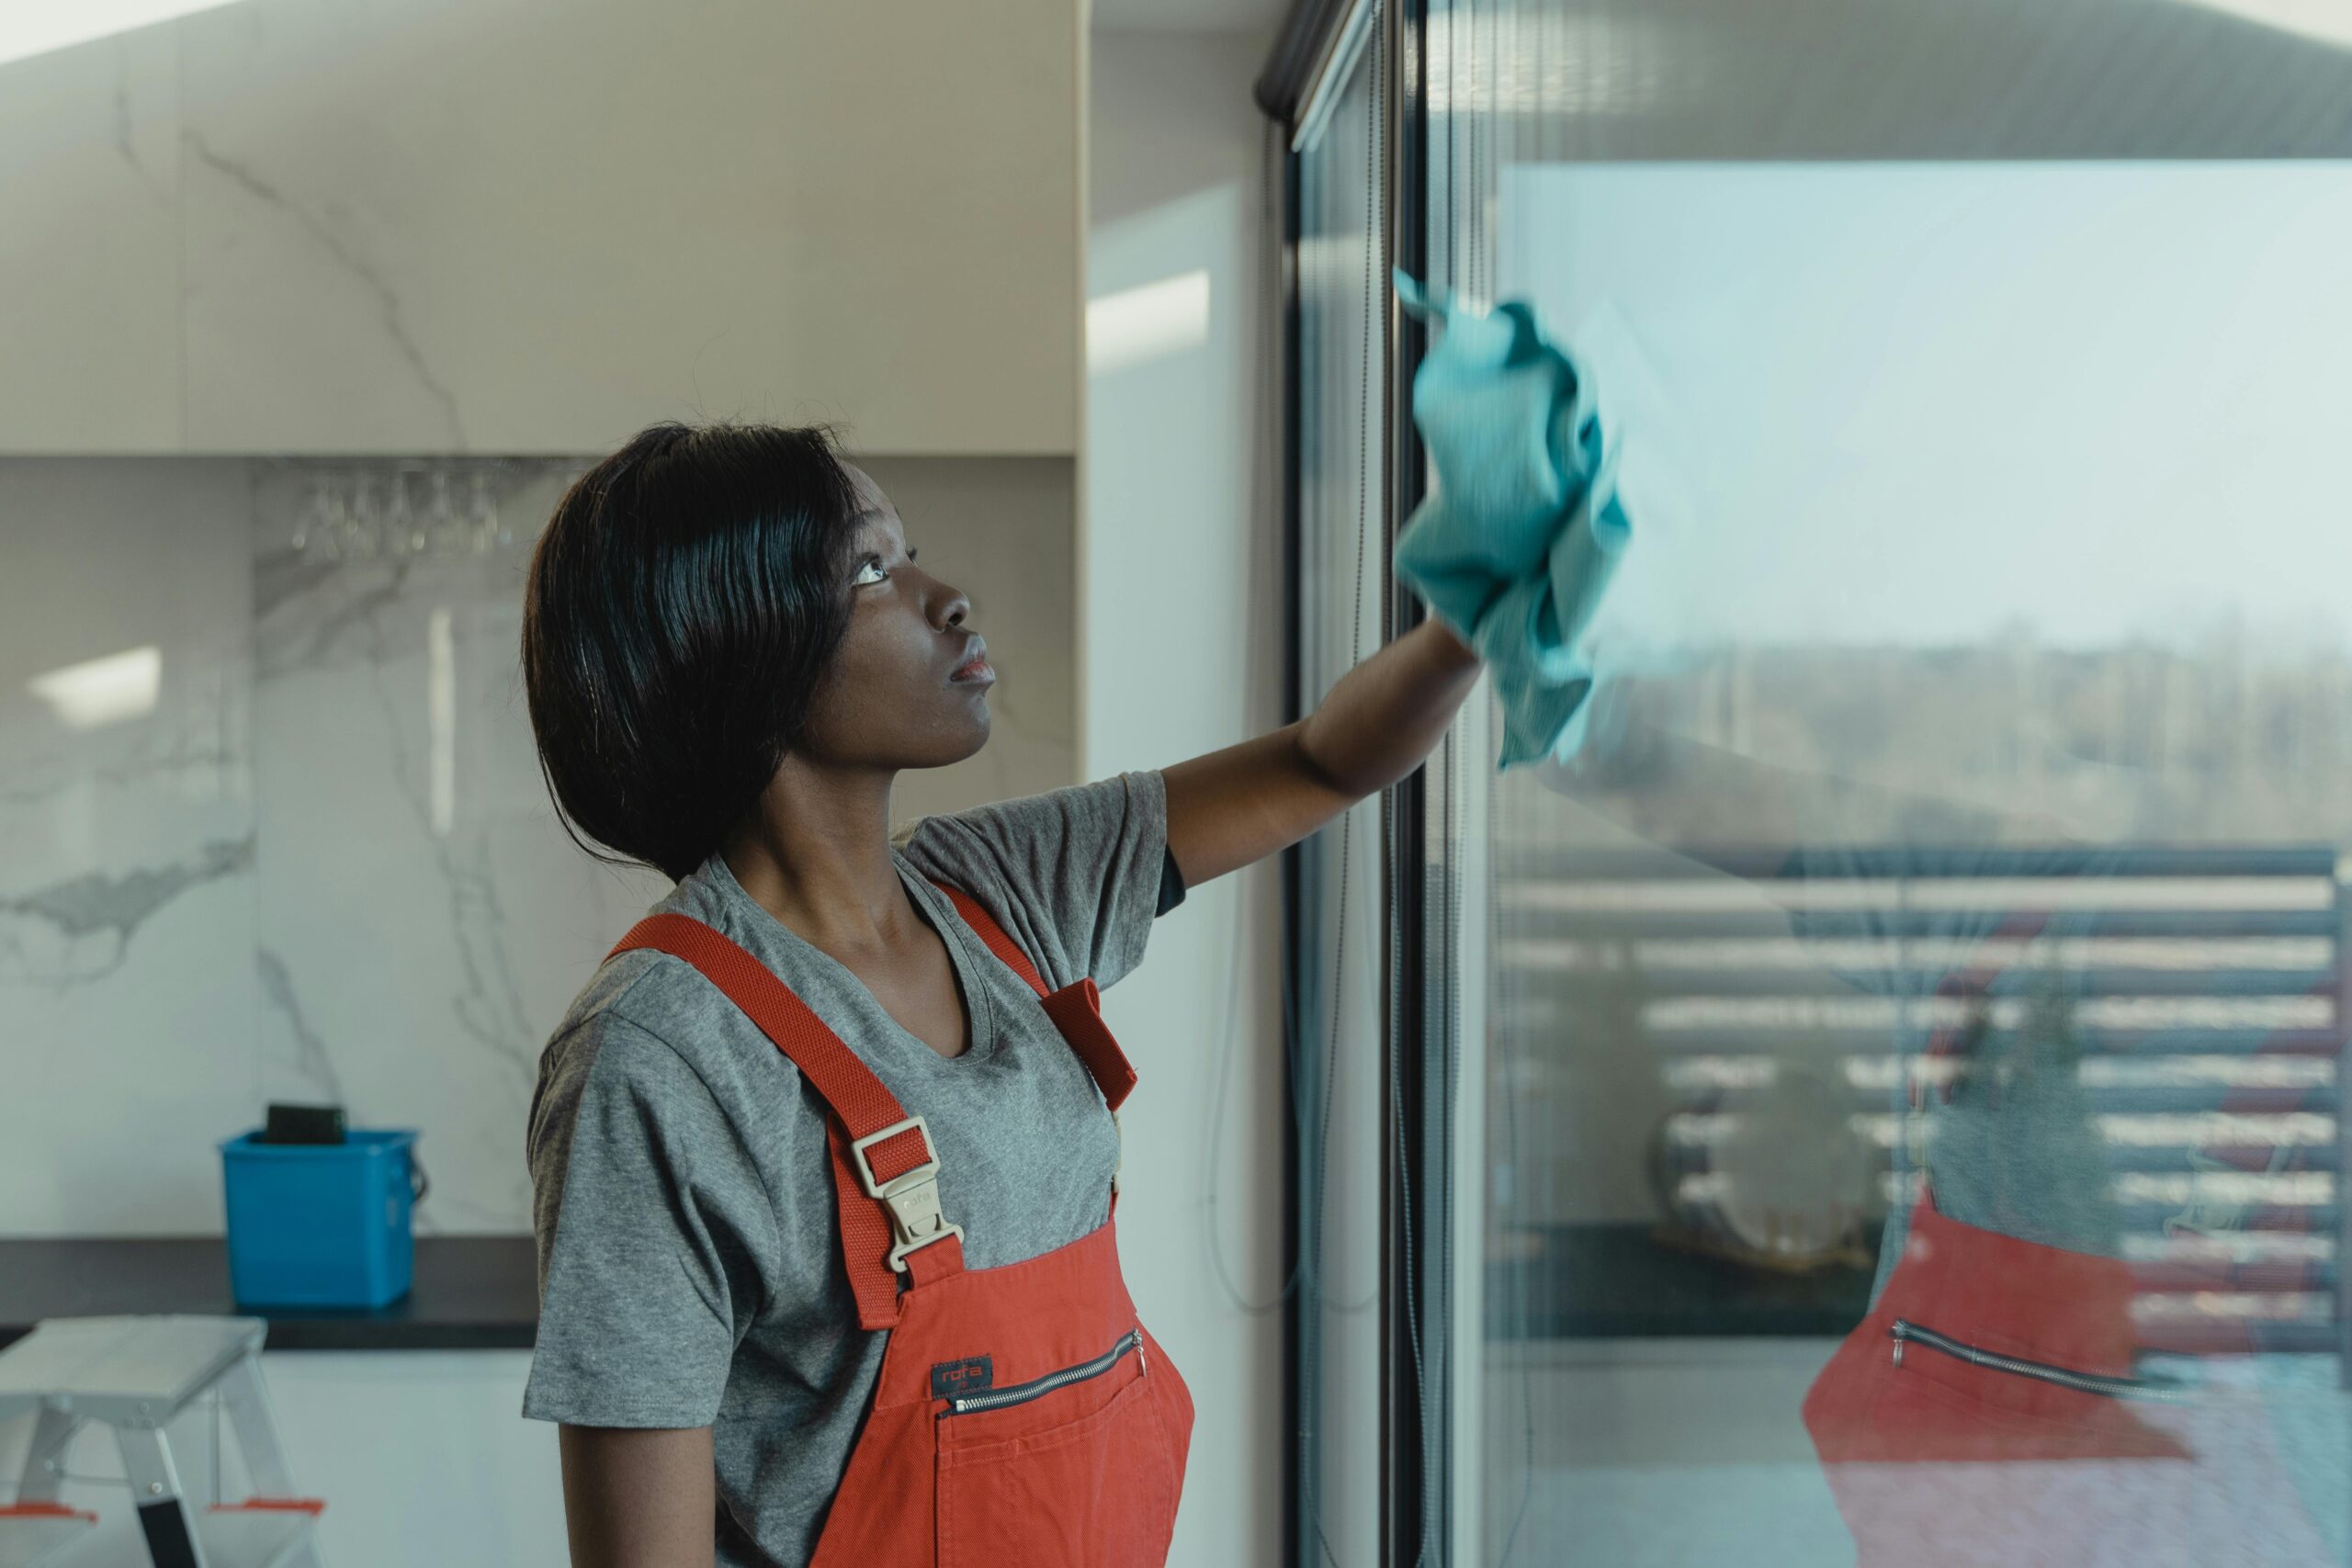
x,y
686,596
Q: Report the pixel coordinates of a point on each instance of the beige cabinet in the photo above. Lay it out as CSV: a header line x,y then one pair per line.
x,y
496,225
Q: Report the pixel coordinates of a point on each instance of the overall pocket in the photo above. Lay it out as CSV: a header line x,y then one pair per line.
x,y
1070,1470
1906,1334
1939,1397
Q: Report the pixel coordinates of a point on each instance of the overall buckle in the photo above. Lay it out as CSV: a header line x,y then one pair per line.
x,y
911,1196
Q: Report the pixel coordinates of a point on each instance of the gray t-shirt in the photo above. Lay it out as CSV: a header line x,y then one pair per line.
x,y
689,1252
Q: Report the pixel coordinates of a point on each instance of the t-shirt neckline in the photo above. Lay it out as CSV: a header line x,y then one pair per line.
x,y
935,909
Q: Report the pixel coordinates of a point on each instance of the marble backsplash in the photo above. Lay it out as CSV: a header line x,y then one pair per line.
x,y
300,848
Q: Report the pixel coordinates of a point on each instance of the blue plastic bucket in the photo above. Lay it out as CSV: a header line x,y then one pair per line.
x,y
321,1225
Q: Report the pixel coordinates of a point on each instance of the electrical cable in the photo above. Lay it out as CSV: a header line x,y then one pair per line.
x,y
1441,1179
1374,161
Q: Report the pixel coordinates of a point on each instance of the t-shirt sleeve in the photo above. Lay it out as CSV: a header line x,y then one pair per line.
x,y
1171,883
1073,875
651,1220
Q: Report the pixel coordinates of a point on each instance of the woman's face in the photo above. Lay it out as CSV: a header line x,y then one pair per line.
x,y
891,698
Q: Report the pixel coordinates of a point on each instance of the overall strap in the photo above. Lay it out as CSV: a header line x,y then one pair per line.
x,y
885,1167
1076,1010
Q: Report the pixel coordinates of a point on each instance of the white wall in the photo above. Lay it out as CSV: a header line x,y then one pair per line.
x,y
189,926
1181,653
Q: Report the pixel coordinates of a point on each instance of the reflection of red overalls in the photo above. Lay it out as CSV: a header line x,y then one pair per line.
x,y
1022,1414
1987,1413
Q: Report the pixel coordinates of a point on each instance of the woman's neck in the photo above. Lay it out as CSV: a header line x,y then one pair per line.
x,y
816,854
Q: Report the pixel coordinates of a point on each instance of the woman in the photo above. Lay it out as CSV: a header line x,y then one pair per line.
x,y
730,652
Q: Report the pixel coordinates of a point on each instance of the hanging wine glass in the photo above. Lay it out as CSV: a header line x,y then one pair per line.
x,y
313,518
448,530
367,536
333,535
481,513
401,533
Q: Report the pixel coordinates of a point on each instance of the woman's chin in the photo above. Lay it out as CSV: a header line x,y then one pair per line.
x,y
977,723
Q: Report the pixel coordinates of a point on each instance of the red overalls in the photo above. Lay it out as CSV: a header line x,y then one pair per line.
x,y
1022,1416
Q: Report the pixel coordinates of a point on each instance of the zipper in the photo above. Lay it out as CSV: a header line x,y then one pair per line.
x,y
1904,1332
1037,1388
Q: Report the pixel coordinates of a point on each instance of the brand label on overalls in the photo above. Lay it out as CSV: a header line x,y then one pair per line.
x,y
950,1380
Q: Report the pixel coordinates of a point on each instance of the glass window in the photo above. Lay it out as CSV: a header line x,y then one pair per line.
x,y
1896,1061
1947,915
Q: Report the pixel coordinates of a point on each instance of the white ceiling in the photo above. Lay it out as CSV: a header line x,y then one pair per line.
x,y
1190,16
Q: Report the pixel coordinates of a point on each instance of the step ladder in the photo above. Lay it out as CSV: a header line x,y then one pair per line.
x,y
135,1374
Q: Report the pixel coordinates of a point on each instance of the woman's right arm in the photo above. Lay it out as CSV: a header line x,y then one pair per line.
x,y
639,1496
655,1234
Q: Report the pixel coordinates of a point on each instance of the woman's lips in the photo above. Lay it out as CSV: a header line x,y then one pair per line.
x,y
979,672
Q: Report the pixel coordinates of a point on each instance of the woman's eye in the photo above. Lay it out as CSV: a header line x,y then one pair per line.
x,y
873,564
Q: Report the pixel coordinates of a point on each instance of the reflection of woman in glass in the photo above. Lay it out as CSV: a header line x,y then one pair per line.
x,y
1989,1409
2011,1126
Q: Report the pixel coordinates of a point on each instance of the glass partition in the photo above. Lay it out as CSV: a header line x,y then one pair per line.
x,y
1896,1061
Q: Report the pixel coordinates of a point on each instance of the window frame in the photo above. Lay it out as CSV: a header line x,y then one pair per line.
x,y
1322,49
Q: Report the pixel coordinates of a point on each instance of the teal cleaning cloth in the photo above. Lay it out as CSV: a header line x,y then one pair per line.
x,y
1524,526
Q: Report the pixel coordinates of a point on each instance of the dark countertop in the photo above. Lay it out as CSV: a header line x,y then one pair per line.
x,y
466,1292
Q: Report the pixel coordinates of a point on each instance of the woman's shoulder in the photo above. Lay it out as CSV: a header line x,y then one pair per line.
x,y
651,1050
617,1025
647,999
649,1016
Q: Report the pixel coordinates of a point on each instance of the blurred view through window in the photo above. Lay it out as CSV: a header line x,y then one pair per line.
x,y
1970,807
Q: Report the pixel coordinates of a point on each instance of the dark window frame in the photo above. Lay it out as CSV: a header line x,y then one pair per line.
x,y
1415,1401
